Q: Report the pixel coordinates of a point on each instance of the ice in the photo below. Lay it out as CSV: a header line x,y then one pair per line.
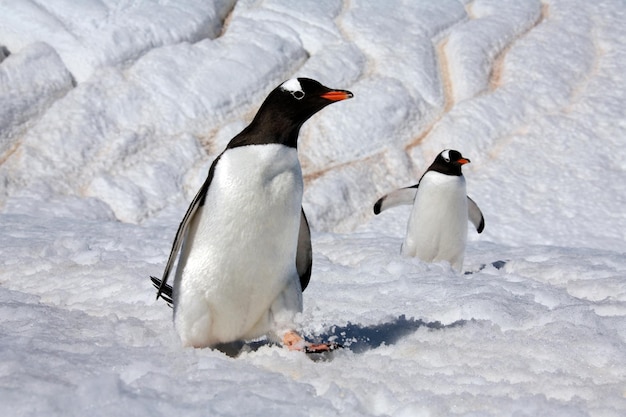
x,y
111,113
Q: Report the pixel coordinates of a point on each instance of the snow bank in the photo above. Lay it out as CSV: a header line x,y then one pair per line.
x,y
26,95
111,113
94,34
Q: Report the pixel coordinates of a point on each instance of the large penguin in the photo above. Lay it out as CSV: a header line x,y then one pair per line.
x,y
245,246
437,227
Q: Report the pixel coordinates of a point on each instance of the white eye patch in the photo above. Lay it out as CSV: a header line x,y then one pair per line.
x,y
293,86
446,155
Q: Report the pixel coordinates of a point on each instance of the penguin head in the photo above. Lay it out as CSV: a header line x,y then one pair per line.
x,y
285,110
301,98
449,162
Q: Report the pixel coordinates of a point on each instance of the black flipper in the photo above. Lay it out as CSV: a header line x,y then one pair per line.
x,y
475,215
304,254
197,201
396,198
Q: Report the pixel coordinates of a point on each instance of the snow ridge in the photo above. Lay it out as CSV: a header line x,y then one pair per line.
x,y
111,113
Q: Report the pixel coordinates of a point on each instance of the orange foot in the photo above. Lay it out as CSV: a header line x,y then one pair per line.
x,y
293,341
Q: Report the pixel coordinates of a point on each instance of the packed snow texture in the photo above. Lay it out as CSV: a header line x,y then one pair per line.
x,y
111,113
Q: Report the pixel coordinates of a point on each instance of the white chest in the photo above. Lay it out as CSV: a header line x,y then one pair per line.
x,y
240,252
437,228
441,195
261,175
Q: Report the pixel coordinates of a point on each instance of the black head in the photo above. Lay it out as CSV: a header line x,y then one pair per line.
x,y
286,109
449,162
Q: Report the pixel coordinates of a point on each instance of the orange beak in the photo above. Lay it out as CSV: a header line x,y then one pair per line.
x,y
337,95
463,161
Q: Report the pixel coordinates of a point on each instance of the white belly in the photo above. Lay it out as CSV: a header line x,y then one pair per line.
x,y
437,228
237,271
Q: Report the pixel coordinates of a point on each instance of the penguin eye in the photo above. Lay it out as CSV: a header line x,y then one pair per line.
x,y
298,94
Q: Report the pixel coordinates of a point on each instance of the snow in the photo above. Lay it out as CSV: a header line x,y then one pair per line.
x,y
111,113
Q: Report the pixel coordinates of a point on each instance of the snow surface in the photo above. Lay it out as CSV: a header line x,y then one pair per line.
x,y
111,112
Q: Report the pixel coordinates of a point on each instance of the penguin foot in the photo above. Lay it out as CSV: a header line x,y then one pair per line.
x,y
293,341
322,347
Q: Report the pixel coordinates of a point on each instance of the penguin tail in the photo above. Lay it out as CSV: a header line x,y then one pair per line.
x,y
166,291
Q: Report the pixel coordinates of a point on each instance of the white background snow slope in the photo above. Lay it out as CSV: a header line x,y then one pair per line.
x,y
111,113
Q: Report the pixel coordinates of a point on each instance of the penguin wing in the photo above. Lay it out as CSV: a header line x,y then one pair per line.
x,y
181,233
396,198
304,254
475,215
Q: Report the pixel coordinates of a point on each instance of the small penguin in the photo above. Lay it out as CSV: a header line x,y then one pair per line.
x,y
244,242
437,227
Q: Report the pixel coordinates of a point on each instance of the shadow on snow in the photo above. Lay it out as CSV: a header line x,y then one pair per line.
x,y
358,338
354,337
